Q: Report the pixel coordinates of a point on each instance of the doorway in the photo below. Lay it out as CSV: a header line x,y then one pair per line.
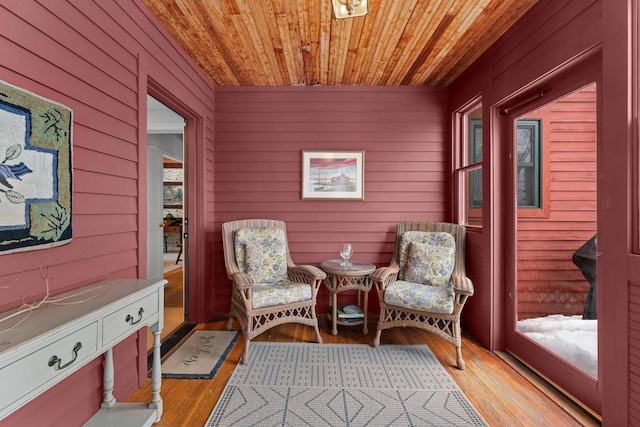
x,y
166,195
551,316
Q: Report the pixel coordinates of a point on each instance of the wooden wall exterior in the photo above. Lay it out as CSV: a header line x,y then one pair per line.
x,y
99,59
260,136
548,280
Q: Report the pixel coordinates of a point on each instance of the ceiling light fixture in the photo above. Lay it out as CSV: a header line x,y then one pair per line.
x,y
350,8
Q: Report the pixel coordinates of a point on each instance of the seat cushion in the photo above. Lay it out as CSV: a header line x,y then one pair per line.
x,y
416,296
430,264
262,254
273,294
426,259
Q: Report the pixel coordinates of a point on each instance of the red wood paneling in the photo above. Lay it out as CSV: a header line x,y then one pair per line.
x,y
96,58
260,136
634,353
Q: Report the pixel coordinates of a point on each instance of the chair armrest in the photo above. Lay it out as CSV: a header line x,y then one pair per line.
x,y
314,272
385,275
306,274
462,284
242,280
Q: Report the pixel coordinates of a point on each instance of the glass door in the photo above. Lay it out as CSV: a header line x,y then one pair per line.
x,y
552,301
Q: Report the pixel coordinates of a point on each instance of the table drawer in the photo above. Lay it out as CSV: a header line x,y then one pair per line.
x,y
63,356
126,320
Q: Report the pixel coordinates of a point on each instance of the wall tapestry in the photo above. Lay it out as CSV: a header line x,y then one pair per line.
x,y
35,171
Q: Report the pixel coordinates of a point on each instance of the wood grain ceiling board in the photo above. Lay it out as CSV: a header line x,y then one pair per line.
x,y
298,42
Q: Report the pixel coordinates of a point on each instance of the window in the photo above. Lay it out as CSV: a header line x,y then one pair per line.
x,y
529,176
469,165
528,137
475,156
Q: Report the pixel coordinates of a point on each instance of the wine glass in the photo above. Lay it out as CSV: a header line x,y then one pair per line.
x,y
346,253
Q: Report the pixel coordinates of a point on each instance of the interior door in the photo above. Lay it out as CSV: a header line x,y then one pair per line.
x,y
155,224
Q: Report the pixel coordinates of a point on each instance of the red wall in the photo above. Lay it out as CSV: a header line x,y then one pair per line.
x,y
260,136
97,59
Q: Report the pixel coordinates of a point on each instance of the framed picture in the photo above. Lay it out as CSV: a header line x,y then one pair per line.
x,y
333,175
172,195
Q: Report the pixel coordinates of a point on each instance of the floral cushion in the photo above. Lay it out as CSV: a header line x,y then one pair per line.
x,y
262,254
427,257
430,264
287,292
434,299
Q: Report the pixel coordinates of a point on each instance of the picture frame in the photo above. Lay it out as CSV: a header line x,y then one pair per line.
x,y
333,175
172,195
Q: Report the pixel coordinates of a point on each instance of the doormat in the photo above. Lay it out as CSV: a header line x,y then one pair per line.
x,y
200,355
301,384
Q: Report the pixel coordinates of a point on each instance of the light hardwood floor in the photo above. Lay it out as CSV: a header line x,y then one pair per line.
x,y
500,391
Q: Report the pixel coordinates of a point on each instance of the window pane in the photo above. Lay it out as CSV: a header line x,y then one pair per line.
x,y
475,187
528,140
475,141
472,179
525,144
526,191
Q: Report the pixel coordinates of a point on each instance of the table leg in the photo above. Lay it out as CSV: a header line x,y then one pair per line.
x,y
366,310
156,373
108,381
334,307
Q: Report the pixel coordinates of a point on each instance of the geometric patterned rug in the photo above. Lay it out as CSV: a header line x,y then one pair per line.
x,y
304,384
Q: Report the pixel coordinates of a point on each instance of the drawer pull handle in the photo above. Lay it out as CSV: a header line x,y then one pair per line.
x,y
130,320
55,359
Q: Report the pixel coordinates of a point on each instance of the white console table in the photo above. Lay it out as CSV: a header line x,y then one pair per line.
x,y
41,347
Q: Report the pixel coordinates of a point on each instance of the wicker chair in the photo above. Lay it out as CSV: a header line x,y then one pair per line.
x,y
425,286
268,288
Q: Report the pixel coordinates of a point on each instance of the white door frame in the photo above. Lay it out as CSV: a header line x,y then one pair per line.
x,y
155,225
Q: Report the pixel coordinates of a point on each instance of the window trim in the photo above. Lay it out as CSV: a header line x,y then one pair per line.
x,y
460,165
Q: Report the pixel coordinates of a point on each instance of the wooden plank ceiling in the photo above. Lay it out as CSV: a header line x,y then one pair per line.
x,y
298,42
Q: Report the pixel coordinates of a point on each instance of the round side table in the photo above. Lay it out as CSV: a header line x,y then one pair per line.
x,y
343,278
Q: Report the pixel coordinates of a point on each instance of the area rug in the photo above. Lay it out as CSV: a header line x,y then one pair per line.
x,y
200,355
301,384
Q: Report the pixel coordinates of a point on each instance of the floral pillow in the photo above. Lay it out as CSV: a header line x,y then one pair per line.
x,y
430,264
262,254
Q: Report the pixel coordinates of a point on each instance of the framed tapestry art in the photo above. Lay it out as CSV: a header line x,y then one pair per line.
x,y
35,171
333,175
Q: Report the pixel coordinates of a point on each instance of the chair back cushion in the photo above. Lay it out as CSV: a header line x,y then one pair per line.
x,y
427,257
262,254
